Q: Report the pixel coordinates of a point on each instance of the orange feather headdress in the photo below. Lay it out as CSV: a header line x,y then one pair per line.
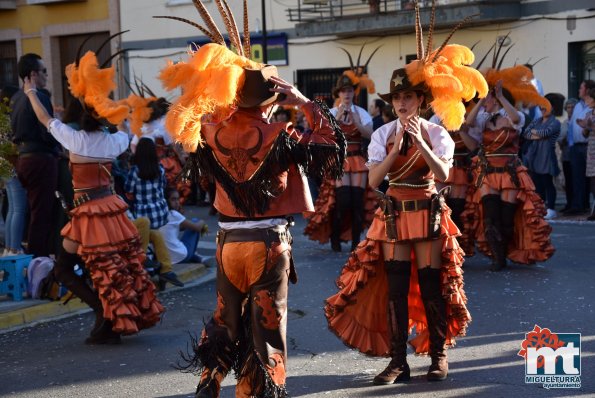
x,y
211,80
356,75
92,84
516,79
446,73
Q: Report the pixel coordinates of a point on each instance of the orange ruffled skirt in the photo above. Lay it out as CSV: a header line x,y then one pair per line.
x,y
320,221
531,242
357,314
110,246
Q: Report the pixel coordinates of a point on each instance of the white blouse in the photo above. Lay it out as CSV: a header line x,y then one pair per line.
x,y
482,118
98,144
442,144
363,115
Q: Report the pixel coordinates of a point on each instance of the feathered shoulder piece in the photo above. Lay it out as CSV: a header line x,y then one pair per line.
x,y
210,79
516,79
357,73
446,73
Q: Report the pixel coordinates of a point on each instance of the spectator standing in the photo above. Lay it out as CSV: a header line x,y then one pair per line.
x,y
16,195
588,125
578,152
37,167
376,112
541,161
565,156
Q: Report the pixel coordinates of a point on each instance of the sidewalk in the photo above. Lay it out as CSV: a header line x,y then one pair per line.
x,y
27,312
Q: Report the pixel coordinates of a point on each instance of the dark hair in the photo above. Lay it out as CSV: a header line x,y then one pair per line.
x,y
589,84
591,92
159,107
8,91
387,110
557,101
75,113
28,63
508,96
379,103
529,66
168,191
145,158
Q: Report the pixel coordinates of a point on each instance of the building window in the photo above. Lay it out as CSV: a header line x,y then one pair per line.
x,y
8,64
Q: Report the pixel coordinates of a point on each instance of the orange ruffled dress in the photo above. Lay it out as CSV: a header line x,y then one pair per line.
x,y
357,313
110,247
319,225
531,242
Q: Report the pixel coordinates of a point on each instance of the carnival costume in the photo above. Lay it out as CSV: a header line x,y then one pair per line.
x,y
260,172
502,229
343,211
124,298
380,300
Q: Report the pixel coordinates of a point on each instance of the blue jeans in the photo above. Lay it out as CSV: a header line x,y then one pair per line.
x,y
17,210
190,240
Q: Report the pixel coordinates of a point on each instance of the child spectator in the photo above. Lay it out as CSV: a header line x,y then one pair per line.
x,y
181,249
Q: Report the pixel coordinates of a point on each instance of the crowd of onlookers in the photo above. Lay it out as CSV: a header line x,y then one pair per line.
x,y
35,173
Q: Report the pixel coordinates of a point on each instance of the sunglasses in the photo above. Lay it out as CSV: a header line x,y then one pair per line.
x,y
44,70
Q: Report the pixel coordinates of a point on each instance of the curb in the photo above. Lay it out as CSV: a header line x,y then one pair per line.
x,y
52,310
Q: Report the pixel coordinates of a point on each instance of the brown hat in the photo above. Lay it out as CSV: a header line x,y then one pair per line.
x,y
256,89
342,82
400,82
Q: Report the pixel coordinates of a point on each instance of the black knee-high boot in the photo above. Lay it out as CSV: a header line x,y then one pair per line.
x,y
357,215
64,273
457,205
398,274
492,219
342,206
508,211
435,305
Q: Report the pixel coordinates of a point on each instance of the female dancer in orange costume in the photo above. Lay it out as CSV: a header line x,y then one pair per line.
x,y
99,231
504,214
408,271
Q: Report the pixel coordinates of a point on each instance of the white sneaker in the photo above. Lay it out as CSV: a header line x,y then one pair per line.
x,y
550,214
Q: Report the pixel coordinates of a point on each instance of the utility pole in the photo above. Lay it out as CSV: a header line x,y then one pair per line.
x,y
264,32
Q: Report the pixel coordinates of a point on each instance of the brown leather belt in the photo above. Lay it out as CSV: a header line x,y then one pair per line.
x,y
92,194
266,235
406,206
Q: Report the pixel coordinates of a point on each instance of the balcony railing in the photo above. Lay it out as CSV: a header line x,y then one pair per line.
x,y
344,17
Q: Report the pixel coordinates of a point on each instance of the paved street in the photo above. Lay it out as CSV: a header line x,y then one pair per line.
x,y
50,360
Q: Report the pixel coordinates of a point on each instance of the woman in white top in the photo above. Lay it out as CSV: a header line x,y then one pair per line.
x,y
99,231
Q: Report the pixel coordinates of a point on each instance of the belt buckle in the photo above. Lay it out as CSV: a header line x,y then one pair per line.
x,y
404,205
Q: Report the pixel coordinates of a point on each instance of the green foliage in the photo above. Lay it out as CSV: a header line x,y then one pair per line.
x,y
8,150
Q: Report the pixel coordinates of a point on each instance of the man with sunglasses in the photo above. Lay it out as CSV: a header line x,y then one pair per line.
x,y
37,166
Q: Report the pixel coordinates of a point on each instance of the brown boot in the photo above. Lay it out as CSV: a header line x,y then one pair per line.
x,y
435,305
104,335
492,219
398,274
210,383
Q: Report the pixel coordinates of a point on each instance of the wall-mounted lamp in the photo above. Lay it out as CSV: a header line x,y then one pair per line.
x,y
571,23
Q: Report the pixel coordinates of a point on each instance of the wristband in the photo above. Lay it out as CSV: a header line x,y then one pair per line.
x,y
31,90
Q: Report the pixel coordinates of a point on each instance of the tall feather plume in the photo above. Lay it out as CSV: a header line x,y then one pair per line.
x,y
370,58
246,44
359,57
431,28
452,32
419,33
211,27
206,32
228,26
235,32
485,56
109,39
504,56
350,59
497,52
